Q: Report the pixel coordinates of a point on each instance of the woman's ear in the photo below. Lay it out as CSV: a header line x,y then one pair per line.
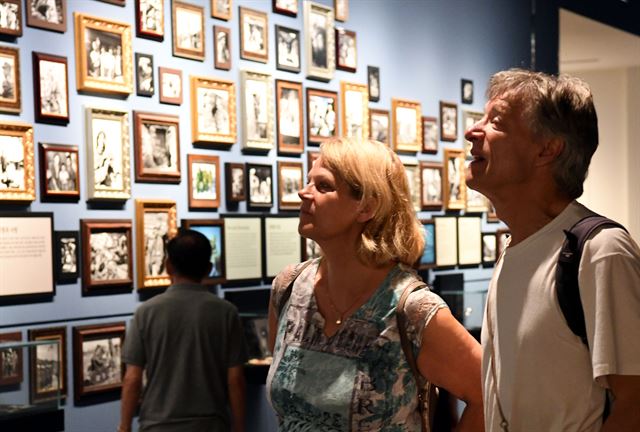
x,y
367,210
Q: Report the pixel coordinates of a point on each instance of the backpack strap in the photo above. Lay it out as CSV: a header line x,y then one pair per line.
x,y
567,288
289,278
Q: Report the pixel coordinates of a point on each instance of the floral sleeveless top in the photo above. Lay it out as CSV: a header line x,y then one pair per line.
x,y
356,380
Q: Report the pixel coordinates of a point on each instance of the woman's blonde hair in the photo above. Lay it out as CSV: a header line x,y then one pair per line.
x,y
376,177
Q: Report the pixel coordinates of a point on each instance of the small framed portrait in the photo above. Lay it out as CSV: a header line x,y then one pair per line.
x,y
145,85
10,359
428,258
59,172
17,172
213,229
412,169
373,83
310,249
150,19
156,147
429,135
222,47
204,181
448,121
342,10
431,174
234,174
48,15
502,240
11,18
97,364
289,115
286,7
257,110
355,110
469,118
287,49
290,182
103,55
322,115
188,30
254,35
466,91
10,100
407,125
156,224
221,9
312,156
51,88
67,256
170,86
455,190
476,202
346,50
107,254
259,186
489,249
48,364
108,171
213,110
319,42
379,125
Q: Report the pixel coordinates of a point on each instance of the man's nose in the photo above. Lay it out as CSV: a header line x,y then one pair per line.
x,y
474,133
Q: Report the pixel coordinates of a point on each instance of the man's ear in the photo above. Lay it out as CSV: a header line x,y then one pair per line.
x,y
550,150
169,267
367,210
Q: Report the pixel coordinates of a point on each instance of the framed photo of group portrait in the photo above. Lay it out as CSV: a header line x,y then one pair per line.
x,y
157,147
322,115
47,15
150,19
59,172
17,173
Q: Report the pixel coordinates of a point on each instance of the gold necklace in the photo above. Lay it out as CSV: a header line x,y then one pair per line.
x,y
341,315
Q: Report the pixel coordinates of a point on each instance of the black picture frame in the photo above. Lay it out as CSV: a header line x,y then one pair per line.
x,y
67,256
259,186
145,82
235,183
288,49
282,7
373,83
466,91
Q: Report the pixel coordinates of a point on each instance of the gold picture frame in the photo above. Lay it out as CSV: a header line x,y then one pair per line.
x,y
355,110
407,125
213,110
18,169
455,190
187,30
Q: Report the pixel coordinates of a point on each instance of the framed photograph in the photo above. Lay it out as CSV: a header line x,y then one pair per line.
x,y
103,55
156,224
286,7
446,238
455,190
188,30
213,110
290,182
289,115
310,249
97,364
51,88
322,115
346,50
243,248
489,248
379,125
342,10
287,49
213,229
259,186
466,91
319,42
407,125
10,99
48,364
469,118
355,110
412,169
431,174
448,121
222,47
469,241
221,9
19,232
150,19
373,83
107,254
59,172
156,147
108,171
254,35
145,85
17,172
170,86
429,135
428,258
502,237
281,243
492,216
476,202
312,156
49,15
204,181
67,256
257,110
234,174
11,17
10,360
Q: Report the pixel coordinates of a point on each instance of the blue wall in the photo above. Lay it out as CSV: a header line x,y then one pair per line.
x,y
423,49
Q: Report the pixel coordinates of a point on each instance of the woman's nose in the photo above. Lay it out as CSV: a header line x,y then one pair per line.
x,y
305,192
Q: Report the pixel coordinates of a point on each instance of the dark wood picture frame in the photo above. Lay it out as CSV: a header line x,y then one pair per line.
x,y
234,179
11,374
290,182
67,255
10,98
55,22
373,83
213,229
97,369
289,115
13,29
222,58
430,134
379,125
51,102
222,9
58,184
259,53
150,19
431,195
312,156
288,49
182,31
204,181
322,115
346,50
42,371
283,7
428,258
466,91
259,186
448,121
169,79
145,84
156,147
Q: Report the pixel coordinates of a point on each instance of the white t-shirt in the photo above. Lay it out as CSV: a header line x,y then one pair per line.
x,y
547,379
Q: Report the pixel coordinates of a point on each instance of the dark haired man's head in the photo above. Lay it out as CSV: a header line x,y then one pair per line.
x,y
189,253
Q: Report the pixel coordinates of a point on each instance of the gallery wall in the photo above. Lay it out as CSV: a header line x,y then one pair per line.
x,y
423,50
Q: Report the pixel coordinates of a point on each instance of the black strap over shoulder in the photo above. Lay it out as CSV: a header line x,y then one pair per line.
x,y
289,279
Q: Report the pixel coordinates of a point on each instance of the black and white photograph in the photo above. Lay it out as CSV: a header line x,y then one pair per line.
x,y
259,186
101,364
9,80
48,368
213,110
342,9
156,236
156,224
431,185
489,248
287,49
12,169
454,167
109,256
145,85
60,171
188,31
157,147
254,35
455,189
310,249
476,202
47,14
406,130
448,121
256,103
150,15
289,115
67,244
10,18
319,36
221,9
355,101
10,360
429,135
286,7
346,50
48,363
51,85
107,154
319,41
290,182
222,47
235,182
104,59
322,111
407,125
466,91
379,125
170,86
373,83
415,184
